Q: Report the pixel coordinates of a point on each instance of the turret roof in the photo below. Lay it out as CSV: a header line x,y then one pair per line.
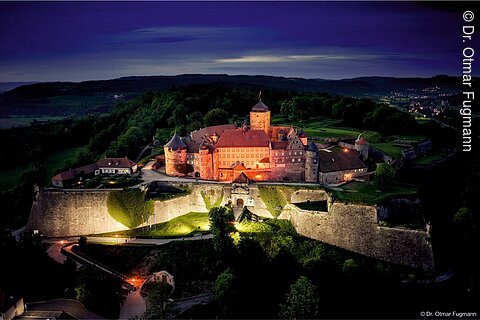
x,y
176,143
312,146
260,106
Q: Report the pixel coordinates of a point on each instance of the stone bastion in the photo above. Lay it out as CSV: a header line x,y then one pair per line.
x,y
63,213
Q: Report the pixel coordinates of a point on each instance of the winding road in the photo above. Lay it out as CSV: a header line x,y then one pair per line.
x,y
134,304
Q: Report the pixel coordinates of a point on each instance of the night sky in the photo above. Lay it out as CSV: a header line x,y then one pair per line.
x,y
331,40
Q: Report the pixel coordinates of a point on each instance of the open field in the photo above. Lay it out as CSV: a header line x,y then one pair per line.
x,y
369,193
428,159
177,227
388,148
13,121
11,178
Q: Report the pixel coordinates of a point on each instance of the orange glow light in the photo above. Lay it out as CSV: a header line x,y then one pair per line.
x,y
345,150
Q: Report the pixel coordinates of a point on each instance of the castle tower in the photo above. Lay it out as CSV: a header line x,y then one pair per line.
x,y
361,145
260,116
311,163
205,165
175,154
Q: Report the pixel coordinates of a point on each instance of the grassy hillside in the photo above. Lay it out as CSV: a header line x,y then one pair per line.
x,y
10,178
177,227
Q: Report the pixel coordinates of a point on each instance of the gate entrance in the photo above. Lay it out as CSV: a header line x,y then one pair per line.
x,y
240,203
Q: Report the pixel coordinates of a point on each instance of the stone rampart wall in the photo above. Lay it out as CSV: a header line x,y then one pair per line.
x,y
72,213
350,226
169,209
354,227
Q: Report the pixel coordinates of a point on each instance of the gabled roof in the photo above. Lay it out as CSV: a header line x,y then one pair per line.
x,y
115,163
72,174
276,130
176,143
260,106
204,134
238,166
242,178
339,161
243,138
192,146
279,145
265,160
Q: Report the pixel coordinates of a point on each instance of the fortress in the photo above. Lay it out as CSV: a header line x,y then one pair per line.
x,y
355,227
261,152
239,157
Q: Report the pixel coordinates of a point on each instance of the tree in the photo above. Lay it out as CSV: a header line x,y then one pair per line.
x,y
226,293
384,175
302,301
82,243
463,217
221,225
100,292
157,301
350,267
216,116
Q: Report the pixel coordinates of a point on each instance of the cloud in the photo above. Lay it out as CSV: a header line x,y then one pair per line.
x,y
178,34
296,58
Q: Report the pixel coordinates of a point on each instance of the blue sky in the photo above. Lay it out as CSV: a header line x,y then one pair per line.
x,y
74,41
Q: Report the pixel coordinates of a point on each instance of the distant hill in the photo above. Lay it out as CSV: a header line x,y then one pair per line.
x,y
7,86
71,98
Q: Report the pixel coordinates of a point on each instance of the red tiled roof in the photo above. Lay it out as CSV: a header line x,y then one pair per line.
x,y
204,134
115,163
361,141
72,174
265,160
241,138
238,166
339,161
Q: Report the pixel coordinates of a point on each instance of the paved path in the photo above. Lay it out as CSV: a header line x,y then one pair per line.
x,y
17,233
72,307
182,305
134,306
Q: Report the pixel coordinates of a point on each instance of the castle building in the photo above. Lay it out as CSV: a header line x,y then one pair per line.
x,y
259,152
106,165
